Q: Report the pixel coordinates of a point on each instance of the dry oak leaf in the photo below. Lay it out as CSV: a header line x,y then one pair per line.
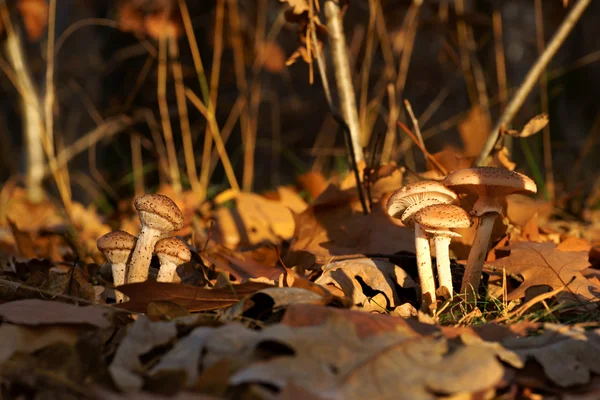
x,y
542,264
23,339
298,6
334,225
381,276
394,365
43,312
255,219
474,131
142,336
568,355
532,127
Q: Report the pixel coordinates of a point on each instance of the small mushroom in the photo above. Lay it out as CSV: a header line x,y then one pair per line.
x,y
405,203
415,192
117,247
171,252
437,220
159,216
491,185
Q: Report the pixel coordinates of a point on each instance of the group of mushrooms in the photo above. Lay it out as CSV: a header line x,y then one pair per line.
x,y
130,257
430,208
427,206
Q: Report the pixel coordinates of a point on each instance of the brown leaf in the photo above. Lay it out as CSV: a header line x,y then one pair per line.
x,y
334,226
380,275
35,17
298,6
474,131
542,264
192,298
42,312
568,355
532,127
412,367
254,220
23,339
272,57
142,337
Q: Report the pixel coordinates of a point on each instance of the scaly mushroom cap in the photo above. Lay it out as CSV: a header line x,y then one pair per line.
x,y
408,217
172,250
491,184
159,212
415,193
440,218
116,246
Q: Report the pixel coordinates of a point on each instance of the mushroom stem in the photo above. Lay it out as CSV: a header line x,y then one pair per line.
x,y
118,273
166,272
442,258
425,269
477,255
142,255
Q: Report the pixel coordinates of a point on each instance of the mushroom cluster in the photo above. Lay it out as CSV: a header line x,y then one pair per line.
x,y
429,207
130,257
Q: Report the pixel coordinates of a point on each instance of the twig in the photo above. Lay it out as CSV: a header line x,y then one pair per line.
x,y
500,59
163,107
427,155
343,76
390,135
544,296
338,118
532,77
184,121
415,123
546,138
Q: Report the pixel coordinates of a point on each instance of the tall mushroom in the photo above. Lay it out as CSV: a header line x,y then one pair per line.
x,y
437,220
117,247
159,216
405,203
171,252
491,185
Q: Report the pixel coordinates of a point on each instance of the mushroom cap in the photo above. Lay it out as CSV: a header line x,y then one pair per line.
x,y
491,184
116,246
159,212
415,193
408,217
491,181
442,217
172,250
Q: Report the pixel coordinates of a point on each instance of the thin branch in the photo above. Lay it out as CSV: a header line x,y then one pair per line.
x,y
338,118
533,77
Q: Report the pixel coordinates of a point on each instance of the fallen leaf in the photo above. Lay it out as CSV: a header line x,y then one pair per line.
x,y
272,57
532,127
35,17
43,312
254,220
381,276
334,226
298,6
23,339
341,365
542,264
142,337
568,355
474,131
192,298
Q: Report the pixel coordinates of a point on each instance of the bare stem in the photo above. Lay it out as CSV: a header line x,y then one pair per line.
x,y
477,255
139,263
343,76
533,77
428,298
442,257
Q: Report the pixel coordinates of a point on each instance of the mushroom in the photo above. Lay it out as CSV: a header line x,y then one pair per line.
x,y
171,252
414,192
117,247
405,203
159,216
437,220
491,185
